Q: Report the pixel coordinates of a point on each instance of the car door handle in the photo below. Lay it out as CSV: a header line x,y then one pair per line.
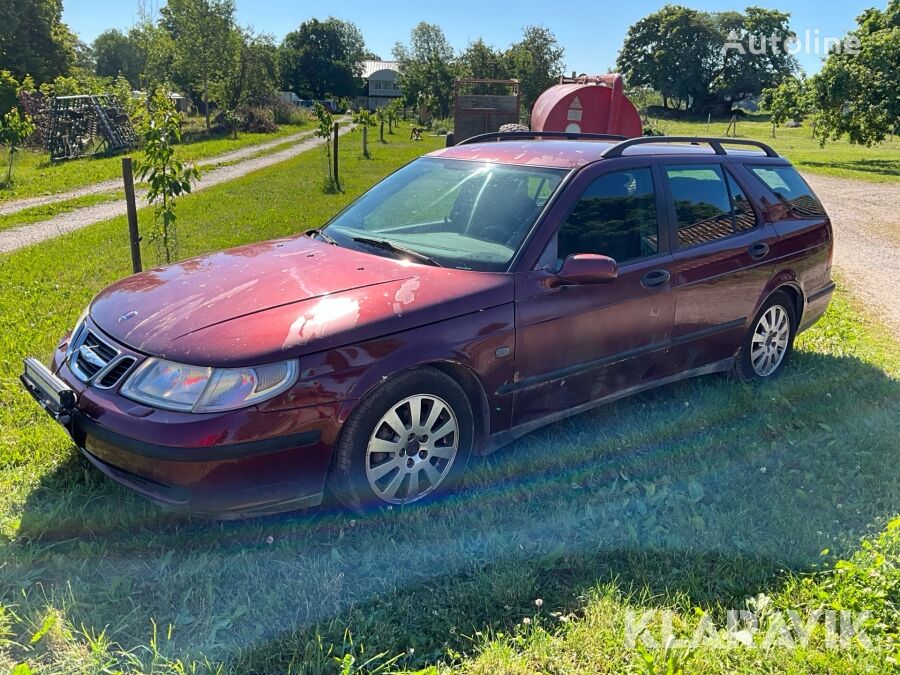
x,y
758,250
655,279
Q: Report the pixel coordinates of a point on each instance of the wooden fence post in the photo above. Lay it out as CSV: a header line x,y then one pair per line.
x,y
334,146
133,234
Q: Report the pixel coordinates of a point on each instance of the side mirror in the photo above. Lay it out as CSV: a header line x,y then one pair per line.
x,y
588,268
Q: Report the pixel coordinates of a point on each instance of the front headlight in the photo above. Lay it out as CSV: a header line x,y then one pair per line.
x,y
176,386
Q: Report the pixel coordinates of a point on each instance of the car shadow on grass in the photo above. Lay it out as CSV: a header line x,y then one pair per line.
x,y
701,493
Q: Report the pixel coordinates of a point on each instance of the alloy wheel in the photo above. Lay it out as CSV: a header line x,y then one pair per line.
x,y
770,340
412,448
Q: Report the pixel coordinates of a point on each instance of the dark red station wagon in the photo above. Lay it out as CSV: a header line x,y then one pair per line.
x,y
476,294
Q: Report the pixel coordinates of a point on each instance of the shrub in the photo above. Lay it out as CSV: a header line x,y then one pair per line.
x,y
257,121
14,129
442,127
285,113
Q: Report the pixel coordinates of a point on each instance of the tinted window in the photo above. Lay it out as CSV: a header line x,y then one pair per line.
x,y
744,217
702,204
616,216
785,182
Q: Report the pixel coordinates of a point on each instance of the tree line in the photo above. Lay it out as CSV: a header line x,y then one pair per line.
x,y
701,62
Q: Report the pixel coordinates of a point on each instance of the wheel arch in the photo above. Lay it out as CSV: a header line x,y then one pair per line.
x,y
463,375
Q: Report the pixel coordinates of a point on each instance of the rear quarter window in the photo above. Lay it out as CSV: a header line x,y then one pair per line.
x,y
790,188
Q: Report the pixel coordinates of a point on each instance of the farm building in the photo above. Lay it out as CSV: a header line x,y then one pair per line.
x,y
380,84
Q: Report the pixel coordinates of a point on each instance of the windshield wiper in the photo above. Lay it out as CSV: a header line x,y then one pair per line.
x,y
324,237
401,250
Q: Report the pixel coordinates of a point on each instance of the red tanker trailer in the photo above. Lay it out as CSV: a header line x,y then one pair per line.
x,y
589,104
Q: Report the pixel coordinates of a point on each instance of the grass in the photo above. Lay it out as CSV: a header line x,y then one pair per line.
x,y
696,495
880,163
34,174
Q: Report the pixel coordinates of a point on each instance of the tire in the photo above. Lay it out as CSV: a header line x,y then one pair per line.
x,y
375,466
768,344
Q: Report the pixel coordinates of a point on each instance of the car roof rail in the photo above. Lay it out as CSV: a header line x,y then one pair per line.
x,y
521,135
715,143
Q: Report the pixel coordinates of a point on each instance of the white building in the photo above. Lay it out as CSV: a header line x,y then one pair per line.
x,y
380,85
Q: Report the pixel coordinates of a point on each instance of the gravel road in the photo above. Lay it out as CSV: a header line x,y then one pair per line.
x,y
17,237
16,205
866,218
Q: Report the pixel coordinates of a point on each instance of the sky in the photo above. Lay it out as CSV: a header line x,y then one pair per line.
x,y
590,32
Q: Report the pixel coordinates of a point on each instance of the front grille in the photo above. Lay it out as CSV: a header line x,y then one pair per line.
x,y
93,359
115,374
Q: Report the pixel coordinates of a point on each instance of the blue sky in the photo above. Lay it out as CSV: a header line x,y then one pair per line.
x,y
591,32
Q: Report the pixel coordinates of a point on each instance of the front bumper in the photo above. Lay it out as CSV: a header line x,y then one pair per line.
x,y
229,465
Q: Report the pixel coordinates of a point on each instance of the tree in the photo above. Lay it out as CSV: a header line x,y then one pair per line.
x,y
856,92
325,131
427,68
34,40
322,59
790,100
14,129
166,175
707,61
537,62
253,78
202,33
483,61
116,53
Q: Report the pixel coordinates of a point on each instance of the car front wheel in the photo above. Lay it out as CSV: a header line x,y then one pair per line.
x,y
408,441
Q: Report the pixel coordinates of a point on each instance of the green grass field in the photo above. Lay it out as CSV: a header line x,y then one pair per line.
x,y
34,174
880,163
693,497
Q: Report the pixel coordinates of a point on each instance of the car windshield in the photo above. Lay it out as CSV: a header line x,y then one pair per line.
x,y
457,213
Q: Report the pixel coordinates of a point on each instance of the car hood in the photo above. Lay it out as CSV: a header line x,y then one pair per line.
x,y
283,298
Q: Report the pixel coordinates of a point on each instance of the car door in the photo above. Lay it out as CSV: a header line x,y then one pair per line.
x,y
721,247
576,343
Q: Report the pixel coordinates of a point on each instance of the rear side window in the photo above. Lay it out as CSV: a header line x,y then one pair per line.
x,y
785,182
702,203
744,216
616,216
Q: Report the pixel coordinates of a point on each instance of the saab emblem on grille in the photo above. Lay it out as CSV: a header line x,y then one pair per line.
x,y
91,356
130,315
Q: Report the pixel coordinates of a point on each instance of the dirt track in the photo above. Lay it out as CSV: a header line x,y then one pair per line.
x,y
18,237
866,218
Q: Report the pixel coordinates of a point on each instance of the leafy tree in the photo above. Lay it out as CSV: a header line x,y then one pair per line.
x,y
790,100
324,130
34,40
9,92
483,61
682,53
157,50
363,120
537,62
202,35
14,129
253,78
322,59
427,68
166,175
857,93
116,53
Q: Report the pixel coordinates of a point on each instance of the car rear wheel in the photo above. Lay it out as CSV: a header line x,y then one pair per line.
x,y
769,342
408,441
